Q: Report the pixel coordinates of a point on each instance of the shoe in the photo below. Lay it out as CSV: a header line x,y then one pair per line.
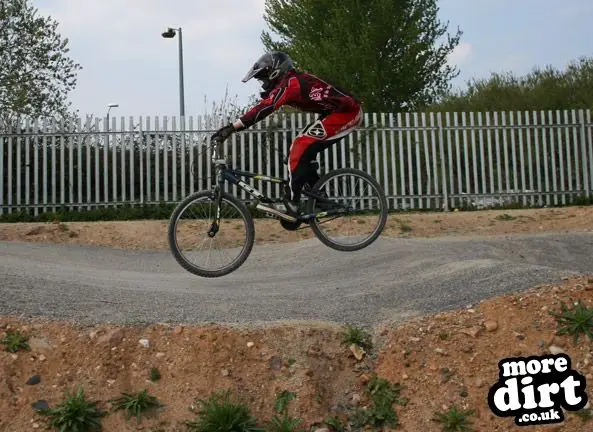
x,y
292,208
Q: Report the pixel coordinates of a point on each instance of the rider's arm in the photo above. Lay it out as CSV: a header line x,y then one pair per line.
x,y
278,97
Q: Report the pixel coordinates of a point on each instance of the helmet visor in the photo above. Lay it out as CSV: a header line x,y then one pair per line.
x,y
253,72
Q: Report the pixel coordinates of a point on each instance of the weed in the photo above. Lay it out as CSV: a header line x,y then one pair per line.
x,y
404,226
575,321
282,400
283,424
334,423
220,413
447,374
454,420
443,335
155,375
383,395
135,403
505,217
584,414
354,335
76,413
14,341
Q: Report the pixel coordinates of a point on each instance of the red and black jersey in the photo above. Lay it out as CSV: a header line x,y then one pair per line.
x,y
305,92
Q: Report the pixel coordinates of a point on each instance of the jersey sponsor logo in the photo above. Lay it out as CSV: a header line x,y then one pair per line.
x,y
317,130
319,93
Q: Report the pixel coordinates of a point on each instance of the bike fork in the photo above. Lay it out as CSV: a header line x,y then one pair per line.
x,y
216,223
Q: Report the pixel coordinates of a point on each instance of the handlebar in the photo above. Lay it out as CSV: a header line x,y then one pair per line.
x,y
216,146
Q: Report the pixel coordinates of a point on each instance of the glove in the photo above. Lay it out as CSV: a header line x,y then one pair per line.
x,y
224,132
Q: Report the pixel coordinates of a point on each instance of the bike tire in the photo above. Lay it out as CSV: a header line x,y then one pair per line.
x,y
314,224
173,246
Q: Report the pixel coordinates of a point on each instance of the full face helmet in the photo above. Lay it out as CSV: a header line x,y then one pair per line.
x,y
269,69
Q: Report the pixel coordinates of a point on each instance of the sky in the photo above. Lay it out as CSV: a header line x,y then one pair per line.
x,y
126,61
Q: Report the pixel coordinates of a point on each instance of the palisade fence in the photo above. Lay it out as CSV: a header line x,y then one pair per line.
x,y
427,160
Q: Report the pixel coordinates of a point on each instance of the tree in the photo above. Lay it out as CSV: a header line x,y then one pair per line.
x,y
384,51
36,73
541,89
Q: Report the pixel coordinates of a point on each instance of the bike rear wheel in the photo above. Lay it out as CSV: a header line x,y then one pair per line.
x,y
366,205
235,236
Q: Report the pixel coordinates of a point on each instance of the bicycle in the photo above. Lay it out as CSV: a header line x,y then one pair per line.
x,y
328,209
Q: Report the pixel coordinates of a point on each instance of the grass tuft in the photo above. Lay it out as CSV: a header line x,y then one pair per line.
x,y
383,395
220,413
75,413
576,321
357,336
454,420
135,404
15,341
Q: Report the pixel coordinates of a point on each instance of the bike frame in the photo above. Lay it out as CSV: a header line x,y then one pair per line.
x,y
231,175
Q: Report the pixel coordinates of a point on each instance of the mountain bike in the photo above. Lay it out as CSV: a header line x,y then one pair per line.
x,y
234,229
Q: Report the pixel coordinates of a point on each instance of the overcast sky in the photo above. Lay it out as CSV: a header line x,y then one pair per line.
x,y
125,60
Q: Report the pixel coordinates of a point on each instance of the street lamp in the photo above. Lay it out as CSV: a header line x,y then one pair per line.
x,y
109,106
168,34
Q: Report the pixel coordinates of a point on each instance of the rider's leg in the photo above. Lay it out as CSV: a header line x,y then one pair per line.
x,y
302,151
314,139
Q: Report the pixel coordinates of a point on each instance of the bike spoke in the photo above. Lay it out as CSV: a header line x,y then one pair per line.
x,y
362,221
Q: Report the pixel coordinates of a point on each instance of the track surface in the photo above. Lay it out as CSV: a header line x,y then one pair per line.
x,y
391,280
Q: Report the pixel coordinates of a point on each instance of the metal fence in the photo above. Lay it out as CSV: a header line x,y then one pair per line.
x,y
422,160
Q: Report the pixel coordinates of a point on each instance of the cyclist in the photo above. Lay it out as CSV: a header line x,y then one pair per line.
x,y
339,114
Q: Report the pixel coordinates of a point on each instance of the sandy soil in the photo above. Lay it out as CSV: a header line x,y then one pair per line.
x,y
153,234
441,360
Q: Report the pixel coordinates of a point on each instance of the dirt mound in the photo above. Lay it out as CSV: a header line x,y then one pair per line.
x,y
439,361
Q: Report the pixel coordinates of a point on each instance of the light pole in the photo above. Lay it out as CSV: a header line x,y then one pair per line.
x,y
109,106
168,34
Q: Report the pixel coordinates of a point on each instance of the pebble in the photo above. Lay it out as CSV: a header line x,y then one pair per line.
x,y
473,332
145,343
34,380
491,325
250,344
38,343
112,337
40,405
224,372
556,350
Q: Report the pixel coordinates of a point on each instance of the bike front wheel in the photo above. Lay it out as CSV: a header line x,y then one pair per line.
x,y
358,212
216,255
